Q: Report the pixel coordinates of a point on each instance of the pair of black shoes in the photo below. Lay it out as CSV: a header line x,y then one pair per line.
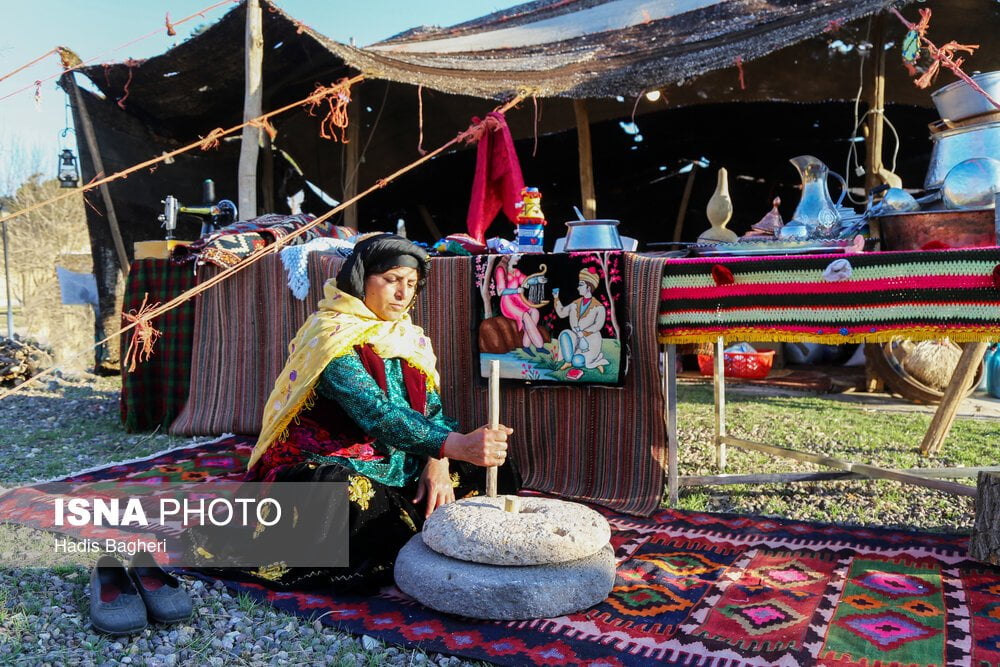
x,y
123,601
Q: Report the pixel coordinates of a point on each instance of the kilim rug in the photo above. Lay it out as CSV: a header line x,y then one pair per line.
x,y
693,589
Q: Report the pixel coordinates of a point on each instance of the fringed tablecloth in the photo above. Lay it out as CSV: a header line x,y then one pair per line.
x,y
832,299
153,394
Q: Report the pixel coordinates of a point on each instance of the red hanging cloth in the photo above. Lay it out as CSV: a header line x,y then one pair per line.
x,y
498,180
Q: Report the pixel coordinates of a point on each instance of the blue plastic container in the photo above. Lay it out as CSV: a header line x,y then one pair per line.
x,y
992,371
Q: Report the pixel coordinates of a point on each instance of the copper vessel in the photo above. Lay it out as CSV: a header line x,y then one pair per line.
x,y
952,229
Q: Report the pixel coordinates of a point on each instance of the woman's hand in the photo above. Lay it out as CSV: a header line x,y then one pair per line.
x,y
482,447
435,485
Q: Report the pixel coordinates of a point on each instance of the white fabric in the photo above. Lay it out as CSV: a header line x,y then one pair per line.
x,y
295,260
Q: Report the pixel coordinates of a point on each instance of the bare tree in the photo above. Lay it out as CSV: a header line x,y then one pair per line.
x,y
39,240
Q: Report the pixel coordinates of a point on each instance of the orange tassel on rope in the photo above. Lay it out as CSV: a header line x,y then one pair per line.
x,y
140,347
336,97
265,125
212,140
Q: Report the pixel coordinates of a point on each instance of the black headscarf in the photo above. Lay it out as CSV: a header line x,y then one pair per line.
x,y
378,254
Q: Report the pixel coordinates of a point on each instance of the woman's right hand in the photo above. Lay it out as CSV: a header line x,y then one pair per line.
x,y
482,447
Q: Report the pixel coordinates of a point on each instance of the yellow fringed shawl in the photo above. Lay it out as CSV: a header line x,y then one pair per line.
x,y
341,322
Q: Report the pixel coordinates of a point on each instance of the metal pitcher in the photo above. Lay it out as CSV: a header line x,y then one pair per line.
x,y
816,210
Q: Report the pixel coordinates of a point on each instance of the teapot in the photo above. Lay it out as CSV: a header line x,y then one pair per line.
x,y
816,210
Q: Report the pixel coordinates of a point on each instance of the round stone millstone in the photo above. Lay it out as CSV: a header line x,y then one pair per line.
x,y
544,531
499,592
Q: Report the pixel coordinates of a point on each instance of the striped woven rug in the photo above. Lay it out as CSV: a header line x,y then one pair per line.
x,y
872,297
241,333
604,445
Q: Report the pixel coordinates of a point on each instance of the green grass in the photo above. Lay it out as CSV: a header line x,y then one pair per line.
x,y
847,431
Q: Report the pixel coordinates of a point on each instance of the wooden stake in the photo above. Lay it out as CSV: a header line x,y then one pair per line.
x,y
587,195
494,422
944,417
250,147
95,156
719,386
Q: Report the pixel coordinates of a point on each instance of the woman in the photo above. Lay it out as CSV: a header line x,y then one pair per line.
x,y
358,402
510,284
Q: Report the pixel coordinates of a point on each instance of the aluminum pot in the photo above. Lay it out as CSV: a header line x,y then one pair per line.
x,y
959,144
955,229
592,235
958,100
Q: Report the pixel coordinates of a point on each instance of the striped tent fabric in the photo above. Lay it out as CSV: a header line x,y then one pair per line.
x,y
873,297
241,333
605,445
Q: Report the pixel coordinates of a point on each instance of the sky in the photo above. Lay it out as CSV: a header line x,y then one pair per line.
x,y
30,125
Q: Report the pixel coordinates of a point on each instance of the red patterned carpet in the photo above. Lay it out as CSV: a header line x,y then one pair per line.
x,y
693,589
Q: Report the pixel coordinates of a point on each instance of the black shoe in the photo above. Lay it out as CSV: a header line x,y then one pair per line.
x,y
115,605
166,601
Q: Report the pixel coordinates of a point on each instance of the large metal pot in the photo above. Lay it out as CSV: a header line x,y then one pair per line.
x,y
955,229
958,100
959,144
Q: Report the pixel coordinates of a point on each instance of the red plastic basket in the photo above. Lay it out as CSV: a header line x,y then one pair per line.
x,y
750,365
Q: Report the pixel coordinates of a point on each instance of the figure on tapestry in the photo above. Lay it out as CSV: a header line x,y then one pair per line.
x,y
580,344
515,288
538,337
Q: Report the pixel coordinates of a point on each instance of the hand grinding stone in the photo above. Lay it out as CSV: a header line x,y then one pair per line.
x,y
544,531
500,592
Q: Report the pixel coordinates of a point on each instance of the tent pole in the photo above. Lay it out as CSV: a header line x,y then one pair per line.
x,y
352,167
267,175
589,199
95,156
250,145
875,127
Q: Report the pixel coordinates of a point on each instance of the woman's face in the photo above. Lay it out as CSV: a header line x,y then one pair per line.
x,y
390,294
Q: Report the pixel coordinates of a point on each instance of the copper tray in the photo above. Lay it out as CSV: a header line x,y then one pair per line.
x,y
966,228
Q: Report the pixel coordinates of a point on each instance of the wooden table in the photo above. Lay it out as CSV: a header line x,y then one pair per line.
x,y
874,297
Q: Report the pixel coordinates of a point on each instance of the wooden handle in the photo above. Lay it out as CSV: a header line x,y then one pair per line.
x,y
494,422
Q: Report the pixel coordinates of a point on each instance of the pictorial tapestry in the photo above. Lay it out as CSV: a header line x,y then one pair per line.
x,y
552,318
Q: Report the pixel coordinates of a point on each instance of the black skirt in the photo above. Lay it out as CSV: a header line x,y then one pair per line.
x,y
381,519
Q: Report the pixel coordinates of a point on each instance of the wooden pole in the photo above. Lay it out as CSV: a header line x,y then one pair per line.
x,y
587,196
944,417
669,390
875,127
267,175
250,146
719,389
352,157
494,421
95,156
